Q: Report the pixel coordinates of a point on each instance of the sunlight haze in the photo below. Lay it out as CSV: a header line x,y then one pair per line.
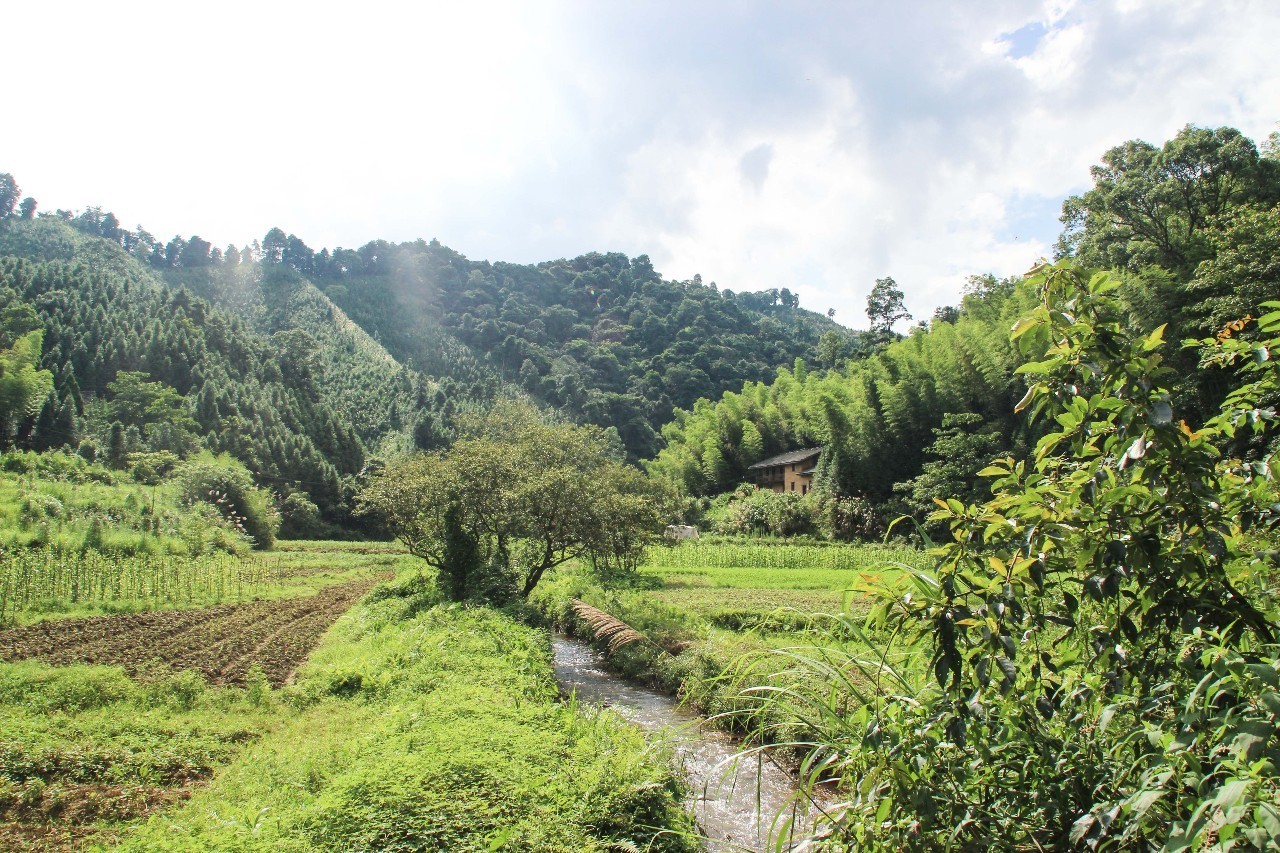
x,y
813,146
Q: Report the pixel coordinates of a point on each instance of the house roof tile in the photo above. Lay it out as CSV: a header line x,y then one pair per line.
x,y
787,458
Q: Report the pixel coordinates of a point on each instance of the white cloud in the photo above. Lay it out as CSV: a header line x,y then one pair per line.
x,y
810,146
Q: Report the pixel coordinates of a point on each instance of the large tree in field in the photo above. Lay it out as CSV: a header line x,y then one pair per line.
x,y
514,498
9,194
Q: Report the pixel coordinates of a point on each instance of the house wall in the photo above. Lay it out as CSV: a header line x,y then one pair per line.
x,y
794,481
785,478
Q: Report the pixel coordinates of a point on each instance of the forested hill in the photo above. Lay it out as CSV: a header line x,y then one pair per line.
x,y
602,337
149,374
305,364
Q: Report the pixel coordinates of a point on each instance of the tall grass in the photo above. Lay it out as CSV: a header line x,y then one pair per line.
x,y
697,555
29,576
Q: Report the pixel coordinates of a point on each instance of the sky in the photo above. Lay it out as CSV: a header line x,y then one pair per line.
x,y
816,146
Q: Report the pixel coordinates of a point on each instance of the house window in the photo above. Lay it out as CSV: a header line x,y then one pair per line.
x,y
793,485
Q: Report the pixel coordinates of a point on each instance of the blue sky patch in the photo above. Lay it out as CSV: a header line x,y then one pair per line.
x,y
1024,40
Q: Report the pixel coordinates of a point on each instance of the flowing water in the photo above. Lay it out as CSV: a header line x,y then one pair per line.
x,y
736,804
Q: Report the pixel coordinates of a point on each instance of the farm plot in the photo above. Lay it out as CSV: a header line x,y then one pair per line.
x,y
222,643
774,587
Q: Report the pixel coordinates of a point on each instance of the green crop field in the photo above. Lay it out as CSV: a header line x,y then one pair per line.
x,y
408,723
744,585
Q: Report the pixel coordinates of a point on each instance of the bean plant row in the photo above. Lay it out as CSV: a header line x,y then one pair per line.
x,y
31,575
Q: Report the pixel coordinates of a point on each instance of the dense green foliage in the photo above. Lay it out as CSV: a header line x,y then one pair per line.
x,y
513,498
874,416
117,342
384,402
1103,628
602,337
303,365
1192,229
225,484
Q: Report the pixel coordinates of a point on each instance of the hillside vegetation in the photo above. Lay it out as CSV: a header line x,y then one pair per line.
x,y
1191,231
305,365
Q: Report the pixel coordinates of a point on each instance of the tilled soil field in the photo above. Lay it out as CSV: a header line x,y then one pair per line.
x,y
223,643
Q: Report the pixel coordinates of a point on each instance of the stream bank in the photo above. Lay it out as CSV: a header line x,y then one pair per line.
x,y
742,805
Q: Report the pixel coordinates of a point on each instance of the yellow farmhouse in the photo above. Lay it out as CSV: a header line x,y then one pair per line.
x,y
786,472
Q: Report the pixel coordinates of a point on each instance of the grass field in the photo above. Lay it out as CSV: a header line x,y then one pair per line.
x,y
741,586
153,694
411,724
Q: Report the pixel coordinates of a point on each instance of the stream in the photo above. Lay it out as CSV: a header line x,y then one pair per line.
x,y
735,805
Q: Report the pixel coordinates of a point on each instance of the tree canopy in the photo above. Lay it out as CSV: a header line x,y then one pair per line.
x,y
1154,205
885,307
513,498
23,386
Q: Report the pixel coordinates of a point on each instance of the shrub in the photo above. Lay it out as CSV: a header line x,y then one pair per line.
x,y
1094,658
300,518
762,511
225,484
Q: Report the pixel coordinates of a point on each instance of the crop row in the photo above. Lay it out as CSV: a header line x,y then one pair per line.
x,y
697,555
29,575
222,643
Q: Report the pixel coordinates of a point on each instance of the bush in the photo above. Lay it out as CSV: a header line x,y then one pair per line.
x,y
1093,657
762,511
225,484
849,518
300,519
64,688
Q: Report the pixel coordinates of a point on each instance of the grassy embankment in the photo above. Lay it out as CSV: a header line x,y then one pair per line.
x,y
724,616
411,725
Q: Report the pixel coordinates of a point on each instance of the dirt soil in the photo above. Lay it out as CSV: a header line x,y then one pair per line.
x,y
222,643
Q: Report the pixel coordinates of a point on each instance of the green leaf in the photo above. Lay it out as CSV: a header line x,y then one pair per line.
x,y
1007,667
940,670
1161,413
1037,366
1267,673
1105,718
1027,398
1021,327
1231,793
1248,744
1267,817
1081,827
1143,801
